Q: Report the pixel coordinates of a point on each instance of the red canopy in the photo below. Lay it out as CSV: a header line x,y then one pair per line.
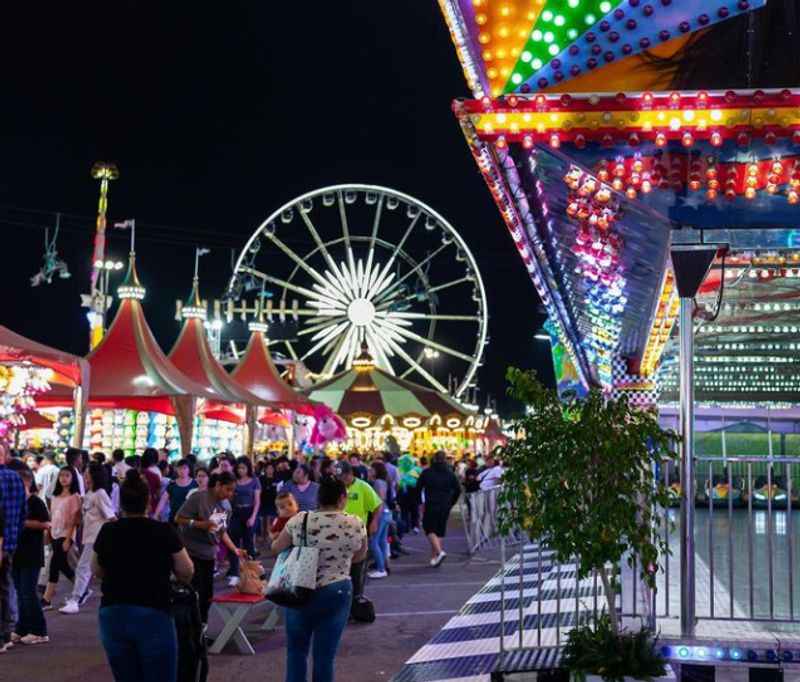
x,y
192,355
129,369
36,420
70,370
257,373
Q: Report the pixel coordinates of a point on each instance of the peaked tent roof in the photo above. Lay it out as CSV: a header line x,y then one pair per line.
x,y
365,390
129,369
192,355
70,370
257,373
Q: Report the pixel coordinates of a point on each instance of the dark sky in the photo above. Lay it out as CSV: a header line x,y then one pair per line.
x,y
216,114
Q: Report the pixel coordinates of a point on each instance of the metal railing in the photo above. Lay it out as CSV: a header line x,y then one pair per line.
x,y
479,515
744,557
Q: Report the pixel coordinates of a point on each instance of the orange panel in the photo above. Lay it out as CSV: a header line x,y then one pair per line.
x,y
503,29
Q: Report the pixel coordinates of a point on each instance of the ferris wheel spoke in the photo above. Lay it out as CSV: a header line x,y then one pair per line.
x,y
413,363
308,293
315,236
345,228
429,316
375,225
413,336
318,327
380,349
291,350
387,275
298,260
417,268
333,357
338,329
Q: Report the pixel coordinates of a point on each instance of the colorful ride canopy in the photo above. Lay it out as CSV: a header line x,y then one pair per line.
x,y
524,46
596,184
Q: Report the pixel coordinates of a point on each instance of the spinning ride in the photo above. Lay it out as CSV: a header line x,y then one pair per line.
x,y
352,263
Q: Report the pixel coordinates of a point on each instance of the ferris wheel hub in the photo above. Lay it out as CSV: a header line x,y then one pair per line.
x,y
361,312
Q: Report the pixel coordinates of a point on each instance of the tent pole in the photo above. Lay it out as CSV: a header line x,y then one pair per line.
x,y
79,424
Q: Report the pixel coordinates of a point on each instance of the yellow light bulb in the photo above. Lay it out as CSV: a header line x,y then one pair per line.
x,y
481,19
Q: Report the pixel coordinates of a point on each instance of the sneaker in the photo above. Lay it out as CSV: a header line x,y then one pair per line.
x,y
35,639
70,608
438,559
6,647
15,637
85,597
377,574
233,581
415,531
46,605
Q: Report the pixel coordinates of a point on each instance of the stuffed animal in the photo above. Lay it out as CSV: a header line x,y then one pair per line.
x,y
329,427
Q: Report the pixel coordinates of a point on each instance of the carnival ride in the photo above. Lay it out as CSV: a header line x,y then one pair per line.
x,y
377,406
622,141
352,263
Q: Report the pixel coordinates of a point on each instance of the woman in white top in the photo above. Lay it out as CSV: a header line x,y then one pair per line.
x,y
97,509
341,539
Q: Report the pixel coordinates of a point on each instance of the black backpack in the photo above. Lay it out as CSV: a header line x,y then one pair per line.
x,y
192,650
362,610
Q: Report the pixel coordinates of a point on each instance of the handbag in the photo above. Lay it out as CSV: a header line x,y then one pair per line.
x,y
294,577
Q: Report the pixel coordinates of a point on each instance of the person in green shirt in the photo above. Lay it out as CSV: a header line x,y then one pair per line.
x,y
408,497
364,503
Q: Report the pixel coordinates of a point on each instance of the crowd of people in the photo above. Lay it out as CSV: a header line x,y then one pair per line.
x,y
137,522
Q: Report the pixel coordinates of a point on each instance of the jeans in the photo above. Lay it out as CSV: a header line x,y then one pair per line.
x,y
377,542
8,617
30,619
241,535
140,643
83,572
203,583
323,618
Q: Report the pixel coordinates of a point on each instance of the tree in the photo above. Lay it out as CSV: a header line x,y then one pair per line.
x,y
583,480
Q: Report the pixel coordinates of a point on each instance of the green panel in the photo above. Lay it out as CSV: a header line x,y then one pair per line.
x,y
398,399
560,23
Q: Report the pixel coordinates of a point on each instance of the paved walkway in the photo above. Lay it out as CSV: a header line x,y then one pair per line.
x,y
412,605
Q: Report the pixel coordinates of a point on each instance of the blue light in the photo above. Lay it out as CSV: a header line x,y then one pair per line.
x,y
736,654
720,653
683,652
752,655
700,652
771,655
666,651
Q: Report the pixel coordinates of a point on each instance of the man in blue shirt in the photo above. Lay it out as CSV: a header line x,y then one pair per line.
x,y
12,503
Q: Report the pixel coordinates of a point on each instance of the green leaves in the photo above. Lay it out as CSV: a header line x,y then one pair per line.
x,y
583,478
599,650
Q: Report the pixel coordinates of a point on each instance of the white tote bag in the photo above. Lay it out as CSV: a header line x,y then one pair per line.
x,y
294,576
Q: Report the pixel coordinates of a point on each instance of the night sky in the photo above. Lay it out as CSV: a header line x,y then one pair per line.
x,y
217,114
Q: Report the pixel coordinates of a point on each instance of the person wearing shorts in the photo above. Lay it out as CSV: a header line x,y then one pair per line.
x,y
439,486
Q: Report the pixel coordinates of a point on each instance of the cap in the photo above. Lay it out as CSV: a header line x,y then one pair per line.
x,y
342,467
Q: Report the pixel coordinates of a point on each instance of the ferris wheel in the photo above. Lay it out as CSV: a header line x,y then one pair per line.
x,y
353,263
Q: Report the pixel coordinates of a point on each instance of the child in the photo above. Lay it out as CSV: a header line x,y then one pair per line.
x,y
287,508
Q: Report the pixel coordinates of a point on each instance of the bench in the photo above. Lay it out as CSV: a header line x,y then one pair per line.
x,y
234,608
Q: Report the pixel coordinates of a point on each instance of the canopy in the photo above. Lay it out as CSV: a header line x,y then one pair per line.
x,y
364,395
70,370
129,369
257,374
36,420
192,355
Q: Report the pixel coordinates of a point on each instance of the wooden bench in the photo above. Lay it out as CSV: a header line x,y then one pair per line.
x,y
234,608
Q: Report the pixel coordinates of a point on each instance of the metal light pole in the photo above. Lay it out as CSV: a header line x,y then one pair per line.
x,y
690,263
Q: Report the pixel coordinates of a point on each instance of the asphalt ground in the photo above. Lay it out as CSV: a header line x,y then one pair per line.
x,y
412,604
